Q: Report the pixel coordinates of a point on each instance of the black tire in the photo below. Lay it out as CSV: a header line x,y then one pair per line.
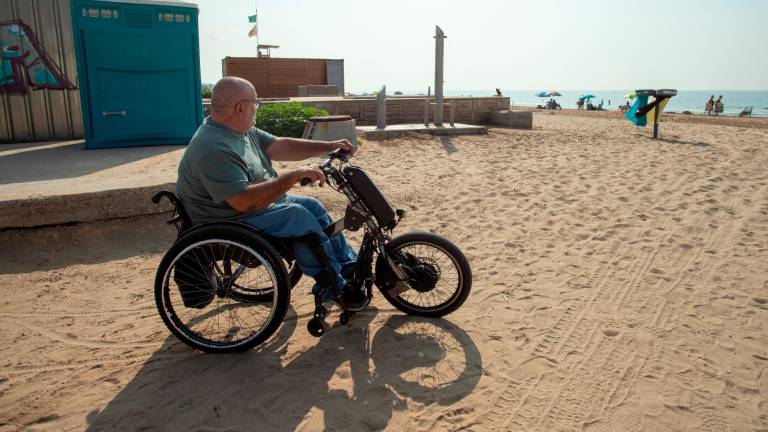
x,y
441,255
183,289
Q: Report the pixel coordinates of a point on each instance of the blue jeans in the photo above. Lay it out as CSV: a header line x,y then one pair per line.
x,y
296,216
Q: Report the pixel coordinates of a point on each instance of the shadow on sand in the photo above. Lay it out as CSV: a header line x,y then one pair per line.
x,y
355,378
22,163
674,141
445,140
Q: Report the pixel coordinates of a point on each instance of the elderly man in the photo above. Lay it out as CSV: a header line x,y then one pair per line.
x,y
226,174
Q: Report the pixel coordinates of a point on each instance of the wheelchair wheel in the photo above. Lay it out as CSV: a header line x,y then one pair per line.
x,y
439,274
222,288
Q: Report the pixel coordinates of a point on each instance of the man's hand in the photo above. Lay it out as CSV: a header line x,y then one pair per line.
x,y
345,145
311,173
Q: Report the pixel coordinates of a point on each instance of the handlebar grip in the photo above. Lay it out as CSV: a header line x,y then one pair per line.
x,y
305,181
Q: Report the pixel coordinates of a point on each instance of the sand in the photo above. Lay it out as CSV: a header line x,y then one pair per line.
x,y
620,284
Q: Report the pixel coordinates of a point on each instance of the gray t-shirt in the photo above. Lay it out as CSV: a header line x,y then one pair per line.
x,y
218,164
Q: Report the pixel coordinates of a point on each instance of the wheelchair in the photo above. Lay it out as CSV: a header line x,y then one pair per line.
x,y
225,287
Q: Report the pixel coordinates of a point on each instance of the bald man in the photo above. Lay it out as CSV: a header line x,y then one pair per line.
x,y
226,173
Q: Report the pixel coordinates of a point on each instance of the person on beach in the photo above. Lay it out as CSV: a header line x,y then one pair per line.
x,y
710,105
226,173
580,104
719,106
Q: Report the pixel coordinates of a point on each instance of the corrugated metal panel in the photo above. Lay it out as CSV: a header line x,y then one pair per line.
x,y
335,73
42,115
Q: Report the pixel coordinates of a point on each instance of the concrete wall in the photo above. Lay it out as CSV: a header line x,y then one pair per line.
x,y
400,110
516,120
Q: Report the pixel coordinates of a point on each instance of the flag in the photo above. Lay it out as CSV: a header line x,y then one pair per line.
x,y
252,19
254,31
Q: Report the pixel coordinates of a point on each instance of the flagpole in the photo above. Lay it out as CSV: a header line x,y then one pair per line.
x,y
256,3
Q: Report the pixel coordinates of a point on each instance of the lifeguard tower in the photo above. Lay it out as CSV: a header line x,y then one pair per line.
x,y
264,50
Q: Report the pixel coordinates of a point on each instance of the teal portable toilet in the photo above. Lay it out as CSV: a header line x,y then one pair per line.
x,y
138,65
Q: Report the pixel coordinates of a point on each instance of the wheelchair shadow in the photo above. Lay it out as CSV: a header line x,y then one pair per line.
x,y
429,361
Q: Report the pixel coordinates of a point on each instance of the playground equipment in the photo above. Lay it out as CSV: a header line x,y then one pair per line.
x,y
642,110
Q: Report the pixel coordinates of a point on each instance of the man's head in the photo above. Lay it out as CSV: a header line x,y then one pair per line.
x,y
234,103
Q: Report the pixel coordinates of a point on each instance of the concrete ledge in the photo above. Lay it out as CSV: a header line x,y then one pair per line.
x,y
516,120
84,207
394,131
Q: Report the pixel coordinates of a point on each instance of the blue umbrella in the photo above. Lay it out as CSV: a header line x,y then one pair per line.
x,y
585,97
541,94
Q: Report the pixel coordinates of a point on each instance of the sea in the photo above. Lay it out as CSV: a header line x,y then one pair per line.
x,y
686,100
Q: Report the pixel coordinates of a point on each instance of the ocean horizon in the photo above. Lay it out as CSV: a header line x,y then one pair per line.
x,y
686,100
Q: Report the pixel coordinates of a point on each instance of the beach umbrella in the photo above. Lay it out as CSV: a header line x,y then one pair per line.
x,y
553,94
630,95
586,97
542,94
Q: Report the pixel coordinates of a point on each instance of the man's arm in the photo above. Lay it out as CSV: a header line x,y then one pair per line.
x,y
260,195
296,149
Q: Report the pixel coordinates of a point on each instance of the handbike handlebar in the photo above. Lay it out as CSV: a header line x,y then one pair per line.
x,y
337,154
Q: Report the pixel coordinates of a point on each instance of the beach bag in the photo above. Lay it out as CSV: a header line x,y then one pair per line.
x,y
192,278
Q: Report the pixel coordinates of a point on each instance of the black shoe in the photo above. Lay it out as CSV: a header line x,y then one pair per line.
x,y
354,298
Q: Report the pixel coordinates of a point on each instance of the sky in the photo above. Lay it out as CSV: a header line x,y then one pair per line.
x,y
510,44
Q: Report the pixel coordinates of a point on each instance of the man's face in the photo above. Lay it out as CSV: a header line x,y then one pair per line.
x,y
246,110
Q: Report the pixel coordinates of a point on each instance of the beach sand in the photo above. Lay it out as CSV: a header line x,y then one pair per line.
x,y
620,284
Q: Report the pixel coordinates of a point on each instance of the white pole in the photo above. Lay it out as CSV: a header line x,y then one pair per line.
x,y
439,37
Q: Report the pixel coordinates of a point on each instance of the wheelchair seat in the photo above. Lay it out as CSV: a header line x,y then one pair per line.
x,y
183,223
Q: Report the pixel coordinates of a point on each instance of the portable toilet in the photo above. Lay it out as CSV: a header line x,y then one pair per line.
x,y
138,65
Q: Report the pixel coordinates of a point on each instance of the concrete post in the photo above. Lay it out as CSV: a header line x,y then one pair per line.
x,y
381,108
439,37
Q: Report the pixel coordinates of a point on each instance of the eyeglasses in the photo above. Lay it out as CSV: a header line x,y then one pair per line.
x,y
256,102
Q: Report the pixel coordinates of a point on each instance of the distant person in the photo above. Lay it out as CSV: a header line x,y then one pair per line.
x,y
719,105
580,104
498,92
710,105
625,107
609,102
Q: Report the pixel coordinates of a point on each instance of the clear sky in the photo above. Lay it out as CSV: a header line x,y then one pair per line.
x,y
511,44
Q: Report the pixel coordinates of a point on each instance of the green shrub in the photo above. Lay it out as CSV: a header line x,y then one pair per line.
x,y
206,93
285,119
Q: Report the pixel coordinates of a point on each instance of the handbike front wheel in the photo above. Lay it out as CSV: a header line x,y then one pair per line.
x,y
439,276
204,283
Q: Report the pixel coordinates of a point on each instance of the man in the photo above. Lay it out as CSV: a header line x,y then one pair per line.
x,y
226,174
